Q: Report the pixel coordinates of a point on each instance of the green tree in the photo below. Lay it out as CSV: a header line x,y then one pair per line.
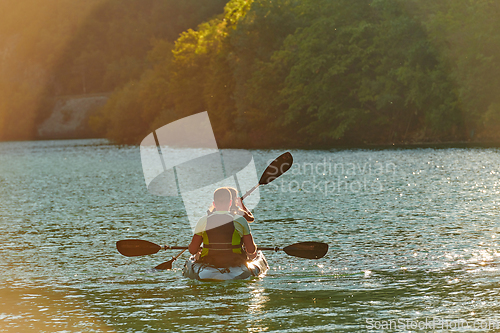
x,y
359,71
467,34
325,72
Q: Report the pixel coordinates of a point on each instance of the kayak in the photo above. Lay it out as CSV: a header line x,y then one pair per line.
x,y
204,272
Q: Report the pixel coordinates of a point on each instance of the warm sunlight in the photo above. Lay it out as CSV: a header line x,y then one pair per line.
x,y
249,165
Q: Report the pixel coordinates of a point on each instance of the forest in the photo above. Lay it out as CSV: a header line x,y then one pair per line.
x,y
294,73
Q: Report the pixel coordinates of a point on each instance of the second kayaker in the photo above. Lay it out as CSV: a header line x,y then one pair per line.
x,y
238,207
226,238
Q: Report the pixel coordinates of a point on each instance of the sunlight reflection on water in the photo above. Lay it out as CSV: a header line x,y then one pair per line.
x,y
423,244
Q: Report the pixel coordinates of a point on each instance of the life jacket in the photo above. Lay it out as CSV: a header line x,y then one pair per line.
x,y
222,244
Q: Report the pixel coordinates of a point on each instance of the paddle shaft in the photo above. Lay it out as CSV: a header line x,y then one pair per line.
x,y
168,247
249,192
268,248
275,249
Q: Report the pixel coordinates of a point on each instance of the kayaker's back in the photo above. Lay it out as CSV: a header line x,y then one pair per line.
x,y
222,243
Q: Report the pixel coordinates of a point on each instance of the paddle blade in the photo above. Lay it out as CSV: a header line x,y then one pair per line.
x,y
166,265
308,250
277,167
136,247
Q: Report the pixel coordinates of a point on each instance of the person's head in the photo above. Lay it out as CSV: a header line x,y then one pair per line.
x,y
222,199
234,197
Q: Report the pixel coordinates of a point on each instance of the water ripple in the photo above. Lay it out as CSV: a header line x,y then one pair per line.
x,y
413,234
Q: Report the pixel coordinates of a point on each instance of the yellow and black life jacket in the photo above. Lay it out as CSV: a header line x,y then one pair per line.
x,y
222,244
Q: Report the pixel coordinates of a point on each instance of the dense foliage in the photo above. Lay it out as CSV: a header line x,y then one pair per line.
x,y
319,73
292,72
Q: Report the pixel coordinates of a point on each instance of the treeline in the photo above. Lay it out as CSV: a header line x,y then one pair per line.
x,y
309,73
323,72
68,47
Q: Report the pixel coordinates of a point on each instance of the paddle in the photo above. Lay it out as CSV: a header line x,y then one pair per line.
x,y
138,247
277,167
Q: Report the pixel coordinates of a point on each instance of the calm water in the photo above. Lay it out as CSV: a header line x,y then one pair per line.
x,y
413,235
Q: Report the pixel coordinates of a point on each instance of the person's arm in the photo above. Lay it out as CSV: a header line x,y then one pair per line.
x,y
246,213
248,216
250,246
194,246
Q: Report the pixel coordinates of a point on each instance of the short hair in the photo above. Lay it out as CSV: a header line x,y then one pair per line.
x,y
234,192
222,196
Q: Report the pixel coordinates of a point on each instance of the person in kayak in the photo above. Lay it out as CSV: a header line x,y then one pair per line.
x,y
226,238
237,206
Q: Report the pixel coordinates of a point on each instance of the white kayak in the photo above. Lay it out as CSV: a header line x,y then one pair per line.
x,y
201,271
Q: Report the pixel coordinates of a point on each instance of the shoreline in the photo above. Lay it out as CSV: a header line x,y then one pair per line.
x,y
369,146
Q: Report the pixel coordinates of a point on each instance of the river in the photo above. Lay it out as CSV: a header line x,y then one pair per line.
x,y
413,235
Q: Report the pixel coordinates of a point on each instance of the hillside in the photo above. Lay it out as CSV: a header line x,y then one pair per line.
x,y
304,73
